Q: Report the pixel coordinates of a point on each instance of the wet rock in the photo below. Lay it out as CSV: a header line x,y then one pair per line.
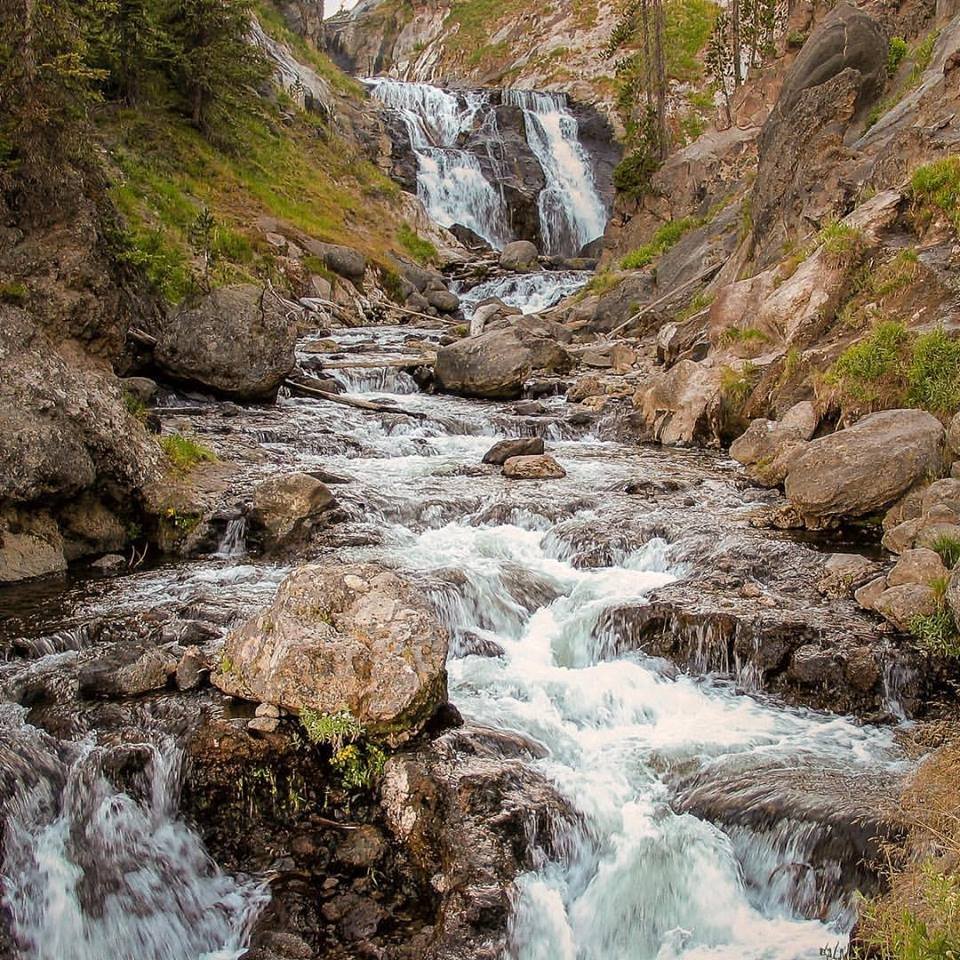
x,y
867,467
443,300
529,408
520,256
112,561
126,670
237,341
263,724
868,595
843,573
284,506
363,847
192,669
470,644
30,546
495,364
357,638
542,467
501,452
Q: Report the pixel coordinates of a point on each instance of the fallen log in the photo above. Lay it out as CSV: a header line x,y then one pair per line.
x,y
370,406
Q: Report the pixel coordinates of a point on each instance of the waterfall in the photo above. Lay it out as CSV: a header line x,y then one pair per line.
x,y
451,182
571,211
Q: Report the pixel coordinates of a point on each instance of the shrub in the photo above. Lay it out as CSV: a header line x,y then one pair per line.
x,y
937,186
949,549
423,251
737,385
632,175
135,406
359,765
668,235
870,371
896,51
185,452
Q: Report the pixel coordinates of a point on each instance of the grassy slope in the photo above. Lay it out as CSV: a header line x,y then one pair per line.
x,y
283,163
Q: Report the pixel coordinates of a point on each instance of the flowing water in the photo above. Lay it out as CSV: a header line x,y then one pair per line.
x,y
451,182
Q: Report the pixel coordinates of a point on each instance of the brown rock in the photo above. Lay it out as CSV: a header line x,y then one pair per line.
x,y
917,566
505,450
533,468
900,605
283,506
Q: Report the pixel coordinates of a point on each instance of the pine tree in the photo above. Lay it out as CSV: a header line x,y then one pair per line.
x,y
211,63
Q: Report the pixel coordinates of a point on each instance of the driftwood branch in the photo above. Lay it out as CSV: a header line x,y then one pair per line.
x,y
702,275
370,406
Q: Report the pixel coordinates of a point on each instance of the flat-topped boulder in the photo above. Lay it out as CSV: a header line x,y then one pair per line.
x,y
358,639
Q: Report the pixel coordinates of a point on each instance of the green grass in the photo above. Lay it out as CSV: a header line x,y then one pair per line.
x,y
331,729
936,186
949,549
700,302
895,275
185,452
423,251
737,385
841,243
667,236
893,367
896,51
13,292
936,633
135,406
921,57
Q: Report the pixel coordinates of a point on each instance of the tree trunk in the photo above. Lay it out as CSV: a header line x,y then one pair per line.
x,y
661,75
735,42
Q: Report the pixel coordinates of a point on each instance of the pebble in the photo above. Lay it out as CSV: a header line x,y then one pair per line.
x,y
268,710
263,724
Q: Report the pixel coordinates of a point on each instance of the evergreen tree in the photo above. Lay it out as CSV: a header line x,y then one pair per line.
x,y
211,62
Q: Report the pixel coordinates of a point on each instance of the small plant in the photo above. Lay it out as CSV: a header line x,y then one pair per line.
x,y
936,633
13,292
737,385
896,274
185,452
135,406
949,549
334,730
896,51
745,335
666,237
359,765
700,302
796,39
933,377
423,251
936,186
842,243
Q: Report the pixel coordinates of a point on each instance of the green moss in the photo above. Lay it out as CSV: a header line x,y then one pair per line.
x,y
185,452
13,292
423,251
744,335
666,237
936,186
700,302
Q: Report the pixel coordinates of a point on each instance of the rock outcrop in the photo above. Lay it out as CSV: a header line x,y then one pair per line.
x,y
359,639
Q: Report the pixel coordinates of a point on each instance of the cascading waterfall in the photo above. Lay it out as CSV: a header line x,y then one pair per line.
x,y
571,211
450,180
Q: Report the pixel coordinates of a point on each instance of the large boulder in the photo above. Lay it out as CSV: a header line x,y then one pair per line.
x,y
283,507
501,452
767,447
521,256
355,638
344,261
495,364
237,341
867,467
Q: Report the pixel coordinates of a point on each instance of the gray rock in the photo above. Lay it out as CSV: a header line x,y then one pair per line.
x,y
126,670
501,452
191,669
868,595
237,341
542,467
143,388
344,261
263,724
443,300
953,435
112,561
520,256
843,572
283,506
867,467
495,364
268,710
344,638
916,566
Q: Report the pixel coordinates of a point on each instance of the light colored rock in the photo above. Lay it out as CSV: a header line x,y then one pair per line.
x,y
953,435
444,300
916,566
503,451
283,506
930,533
901,605
319,288
682,405
767,448
868,595
191,669
908,507
268,710
323,646
521,256
953,594
143,388
112,561
867,467
944,493
33,548
263,724
543,467
842,572
903,536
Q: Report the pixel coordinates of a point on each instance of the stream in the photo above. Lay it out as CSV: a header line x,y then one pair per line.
x,y
97,865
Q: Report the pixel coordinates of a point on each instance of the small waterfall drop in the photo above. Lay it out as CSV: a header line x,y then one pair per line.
x,y
451,182
571,211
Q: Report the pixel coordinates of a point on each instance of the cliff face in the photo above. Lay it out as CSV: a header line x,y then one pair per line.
x,y
556,47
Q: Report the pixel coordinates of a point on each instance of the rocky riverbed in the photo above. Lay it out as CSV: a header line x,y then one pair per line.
x,y
623,645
